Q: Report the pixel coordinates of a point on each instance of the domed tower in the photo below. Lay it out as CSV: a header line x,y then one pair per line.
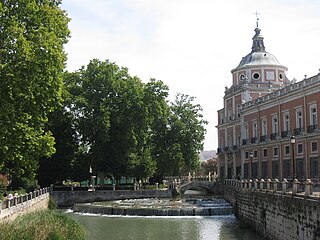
x,y
259,71
257,74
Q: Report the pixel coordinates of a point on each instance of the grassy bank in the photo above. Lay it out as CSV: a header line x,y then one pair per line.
x,y
43,225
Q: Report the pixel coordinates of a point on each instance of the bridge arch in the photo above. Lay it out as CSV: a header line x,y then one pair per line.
x,y
208,186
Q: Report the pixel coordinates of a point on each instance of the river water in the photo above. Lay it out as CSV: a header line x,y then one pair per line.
x,y
103,227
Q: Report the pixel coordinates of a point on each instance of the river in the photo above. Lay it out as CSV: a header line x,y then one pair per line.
x,y
103,227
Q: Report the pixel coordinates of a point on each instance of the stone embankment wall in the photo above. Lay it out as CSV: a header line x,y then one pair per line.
x,y
16,206
69,198
276,215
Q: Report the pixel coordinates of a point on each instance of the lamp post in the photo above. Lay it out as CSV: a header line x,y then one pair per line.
x,y
293,141
251,172
91,187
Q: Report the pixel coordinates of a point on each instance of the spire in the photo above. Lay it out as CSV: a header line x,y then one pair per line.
x,y
257,18
257,44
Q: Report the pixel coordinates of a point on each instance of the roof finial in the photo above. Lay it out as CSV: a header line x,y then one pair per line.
x,y
257,18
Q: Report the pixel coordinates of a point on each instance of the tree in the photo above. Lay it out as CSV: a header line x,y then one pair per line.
x,y
112,118
32,35
183,138
58,167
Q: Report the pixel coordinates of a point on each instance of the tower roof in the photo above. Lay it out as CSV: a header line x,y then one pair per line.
x,y
258,55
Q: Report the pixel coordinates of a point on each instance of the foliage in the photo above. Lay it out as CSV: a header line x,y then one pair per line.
x,y
110,117
59,166
43,225
32,34
209,165
52,204
124,127
4,181
183,139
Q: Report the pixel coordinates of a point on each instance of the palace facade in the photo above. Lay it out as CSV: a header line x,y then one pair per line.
x,y
268,127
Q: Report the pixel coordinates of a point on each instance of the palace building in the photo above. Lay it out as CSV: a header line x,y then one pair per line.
x,y
268,127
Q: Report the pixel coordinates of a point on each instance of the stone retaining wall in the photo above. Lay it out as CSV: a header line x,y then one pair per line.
x,y
276,215
69,198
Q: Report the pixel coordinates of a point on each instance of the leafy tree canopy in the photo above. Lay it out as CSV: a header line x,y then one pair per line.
x,y
129,127
32,34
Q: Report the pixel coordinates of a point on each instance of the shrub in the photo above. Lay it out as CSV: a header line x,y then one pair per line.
x,y
43,225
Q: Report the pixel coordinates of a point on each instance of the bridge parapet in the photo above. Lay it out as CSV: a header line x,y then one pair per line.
x,y
209,186
307,188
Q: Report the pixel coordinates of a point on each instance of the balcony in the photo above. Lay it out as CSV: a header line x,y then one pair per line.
x,y
285,134
263,138
273,136
244,141
226,149
234,147
254,140
312,128
297,131
219,150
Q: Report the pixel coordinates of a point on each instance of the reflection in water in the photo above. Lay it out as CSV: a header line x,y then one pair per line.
x,y
154,228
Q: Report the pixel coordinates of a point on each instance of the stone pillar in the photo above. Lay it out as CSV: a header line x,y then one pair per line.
x,y
308,188
295,186
284,185
113,186
268,184
256,184
250,184
157,185
261,184
245,184
275,185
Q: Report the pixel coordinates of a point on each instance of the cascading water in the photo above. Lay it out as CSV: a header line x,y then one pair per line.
x,y
159,207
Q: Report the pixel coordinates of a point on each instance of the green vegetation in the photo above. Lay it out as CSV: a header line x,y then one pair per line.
x,y
121,126
32,35
54,125
43,225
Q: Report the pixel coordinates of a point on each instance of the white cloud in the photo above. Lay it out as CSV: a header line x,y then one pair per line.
x,y
193,45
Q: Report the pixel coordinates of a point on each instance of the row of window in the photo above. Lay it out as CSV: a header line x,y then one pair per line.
x,y
270,75
286,124
287,150
286,171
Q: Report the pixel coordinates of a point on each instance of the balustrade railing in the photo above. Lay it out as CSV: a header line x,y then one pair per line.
x,y
294,187
15,199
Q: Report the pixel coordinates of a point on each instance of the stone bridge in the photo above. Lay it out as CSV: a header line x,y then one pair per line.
x,y
208,186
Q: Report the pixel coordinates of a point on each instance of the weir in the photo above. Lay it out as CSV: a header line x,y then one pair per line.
x,y
158,207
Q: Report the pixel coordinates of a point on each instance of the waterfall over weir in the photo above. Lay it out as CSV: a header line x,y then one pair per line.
x,y
158,207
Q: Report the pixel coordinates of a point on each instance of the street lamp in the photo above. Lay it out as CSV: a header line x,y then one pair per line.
x,y
251,172
91,187
293,141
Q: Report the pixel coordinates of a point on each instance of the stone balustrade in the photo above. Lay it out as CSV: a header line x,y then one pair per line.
x,y
15,205
285,187
13,200
278,210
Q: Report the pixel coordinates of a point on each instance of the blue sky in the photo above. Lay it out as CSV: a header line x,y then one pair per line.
x,y
192,45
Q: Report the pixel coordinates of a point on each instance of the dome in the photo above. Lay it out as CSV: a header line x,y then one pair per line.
x,y
258,58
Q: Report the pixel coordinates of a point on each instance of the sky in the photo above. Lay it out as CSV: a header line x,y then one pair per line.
x,y
192,45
